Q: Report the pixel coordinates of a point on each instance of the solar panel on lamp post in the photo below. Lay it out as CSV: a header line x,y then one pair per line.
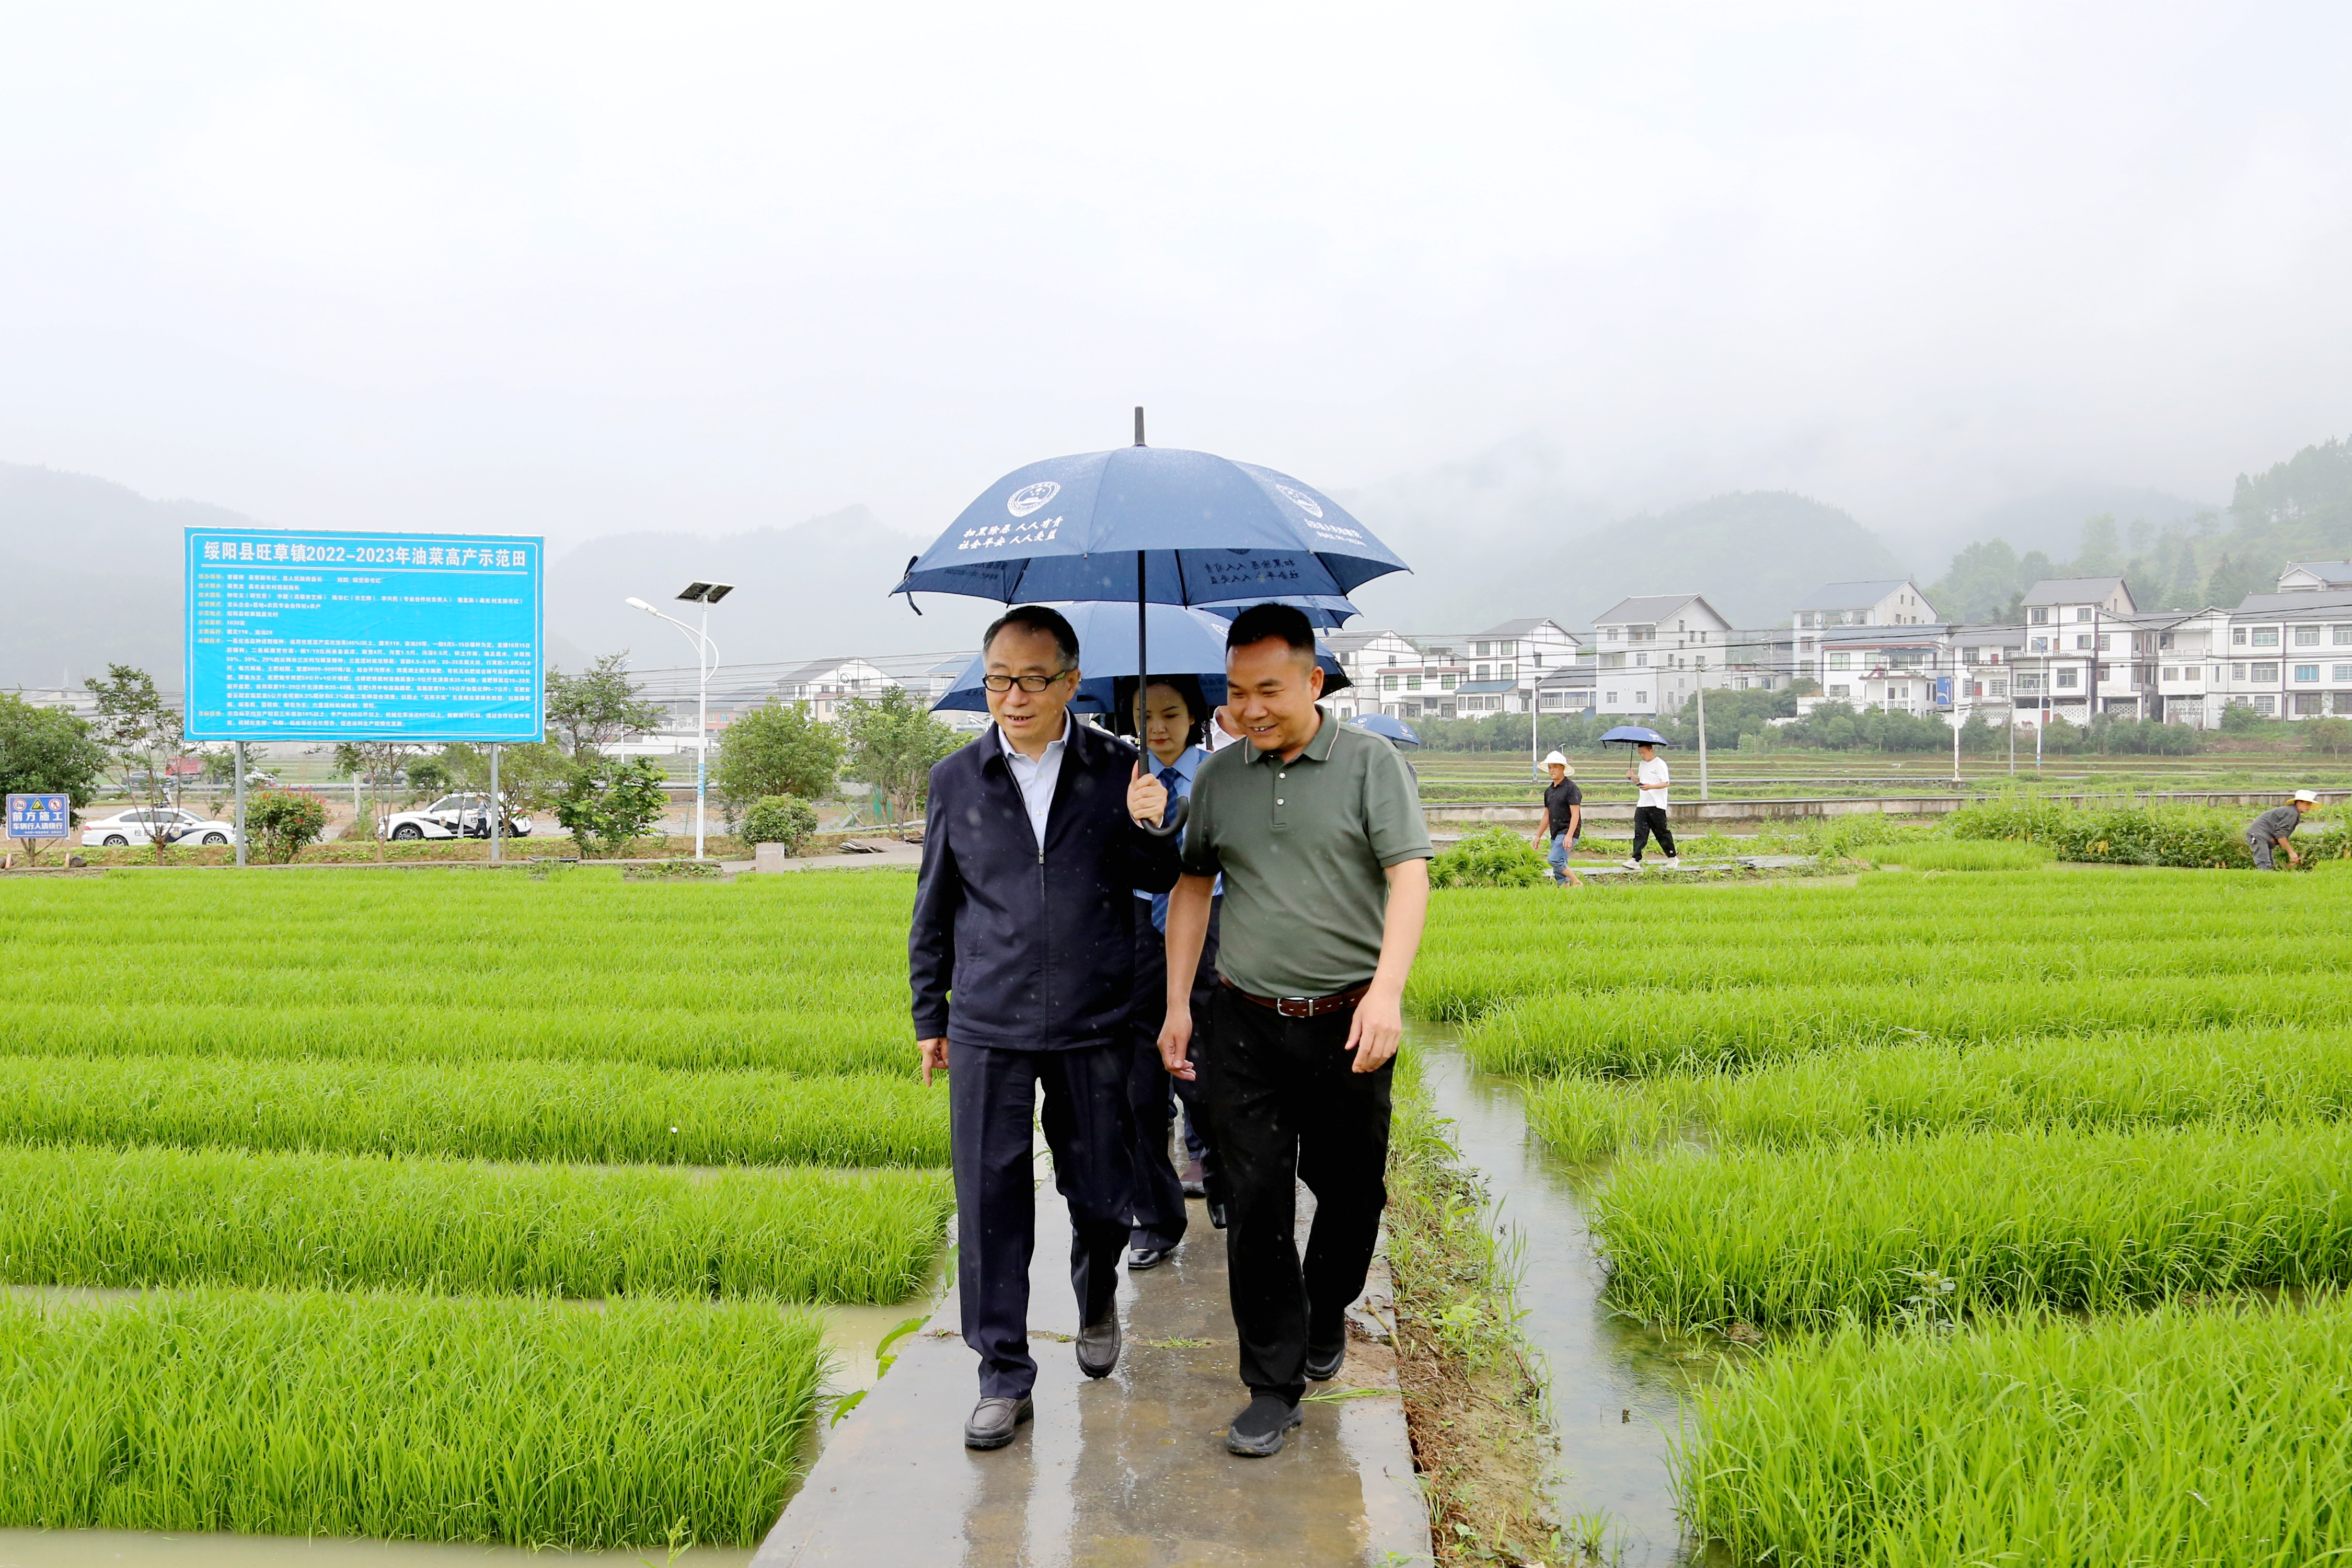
x,y
706,657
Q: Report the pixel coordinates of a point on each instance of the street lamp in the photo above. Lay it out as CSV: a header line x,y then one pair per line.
x,y
706,657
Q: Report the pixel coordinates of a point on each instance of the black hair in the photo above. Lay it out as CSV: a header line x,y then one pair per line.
x,y
1186,687
1259,621
1036,618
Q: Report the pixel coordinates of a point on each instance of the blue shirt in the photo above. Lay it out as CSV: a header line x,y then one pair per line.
x,y
1187,765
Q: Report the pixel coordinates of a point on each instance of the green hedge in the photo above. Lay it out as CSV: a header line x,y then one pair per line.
x,y
2181,836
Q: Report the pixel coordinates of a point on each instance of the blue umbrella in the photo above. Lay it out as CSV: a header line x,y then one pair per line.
x,y
1149,525
1184,641
1395,730
1327,611
1634,735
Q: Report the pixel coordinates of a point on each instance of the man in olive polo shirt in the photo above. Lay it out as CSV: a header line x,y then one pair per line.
x,y
1316,829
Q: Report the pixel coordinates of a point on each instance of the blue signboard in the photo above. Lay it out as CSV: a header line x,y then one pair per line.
x,y
1943,692
39,816
381,636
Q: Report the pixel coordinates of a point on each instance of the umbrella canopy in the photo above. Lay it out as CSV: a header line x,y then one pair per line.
x,y
1183,642
1396,730
1208,530
1325,612
1634,735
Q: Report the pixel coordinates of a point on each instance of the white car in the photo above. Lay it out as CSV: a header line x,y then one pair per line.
x,y
144,824
462,815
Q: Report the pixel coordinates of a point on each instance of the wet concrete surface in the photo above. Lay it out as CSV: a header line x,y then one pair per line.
x,y
1616,1387
1131,1469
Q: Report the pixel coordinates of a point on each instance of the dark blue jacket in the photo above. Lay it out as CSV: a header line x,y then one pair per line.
x,y
1037,946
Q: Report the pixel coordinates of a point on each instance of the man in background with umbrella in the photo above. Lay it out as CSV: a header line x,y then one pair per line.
x,y
1316,829
1650,807
1021,960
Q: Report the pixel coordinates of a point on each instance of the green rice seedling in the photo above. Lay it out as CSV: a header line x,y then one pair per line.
x,y
171,1218
1978,856
1647,1032
603,1112
804,974
2041,1218
1912,1087
2179,1436
531,1423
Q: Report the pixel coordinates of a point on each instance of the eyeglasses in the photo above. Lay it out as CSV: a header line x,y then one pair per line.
x,y
1025,682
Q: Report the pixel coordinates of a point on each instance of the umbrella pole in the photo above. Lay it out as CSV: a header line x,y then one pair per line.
x,y
1175,818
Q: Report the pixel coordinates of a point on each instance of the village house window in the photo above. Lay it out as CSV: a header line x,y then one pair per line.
x,y
2307,672
2266,672
2307,703
2267,637
2306,636
1841,661
2037,617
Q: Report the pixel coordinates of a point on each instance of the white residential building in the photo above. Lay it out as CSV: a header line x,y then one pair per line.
x,y
826,684
2316,576
2074,627
1652,650
2286,655
1892,602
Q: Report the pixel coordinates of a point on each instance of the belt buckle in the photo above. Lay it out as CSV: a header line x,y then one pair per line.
x,y
1295,1007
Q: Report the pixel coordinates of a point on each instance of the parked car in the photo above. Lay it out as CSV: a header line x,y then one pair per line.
x,y
462,815
144,824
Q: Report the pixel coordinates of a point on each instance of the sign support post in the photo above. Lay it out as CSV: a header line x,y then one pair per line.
x,y
498,806
239,753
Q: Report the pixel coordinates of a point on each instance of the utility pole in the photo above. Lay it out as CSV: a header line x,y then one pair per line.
x,y
1959,679
1702,727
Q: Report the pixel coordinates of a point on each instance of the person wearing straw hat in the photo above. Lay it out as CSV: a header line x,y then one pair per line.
x,y
2273,829
1563,822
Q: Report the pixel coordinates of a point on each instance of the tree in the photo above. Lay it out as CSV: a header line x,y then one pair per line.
x,y
2229,583
48,751
892,745
2332,736
599,706
286,820
142,731
776,750
608,803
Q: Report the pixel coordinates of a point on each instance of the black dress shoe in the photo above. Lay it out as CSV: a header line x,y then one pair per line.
x,y
1098,1345
993,1422
1323,1365
1258,1431
1140,1259
1216,1215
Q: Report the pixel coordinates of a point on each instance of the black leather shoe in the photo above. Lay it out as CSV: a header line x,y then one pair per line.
x,y
1323,1365
1258,1431
993,1422
1216,1215
1140,1259
1099,1346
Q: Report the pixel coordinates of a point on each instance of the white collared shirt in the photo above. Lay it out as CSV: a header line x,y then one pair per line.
x,y
1187,764
1036,778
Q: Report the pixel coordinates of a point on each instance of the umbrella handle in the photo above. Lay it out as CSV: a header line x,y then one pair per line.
x,y
1175,819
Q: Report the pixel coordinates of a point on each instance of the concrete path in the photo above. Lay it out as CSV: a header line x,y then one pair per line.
x,y
1128,1471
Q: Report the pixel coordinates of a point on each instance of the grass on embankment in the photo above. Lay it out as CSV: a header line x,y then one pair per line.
x,y
603,1112
524,1422
806,973
2178,1436
170,1217
1892,1090
1976,1221
1976,855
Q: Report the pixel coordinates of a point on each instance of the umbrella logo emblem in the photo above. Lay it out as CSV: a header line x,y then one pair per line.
x,y
1306,503
1022,502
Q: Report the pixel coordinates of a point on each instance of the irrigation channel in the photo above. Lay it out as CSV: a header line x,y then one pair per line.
x,y
1616,1385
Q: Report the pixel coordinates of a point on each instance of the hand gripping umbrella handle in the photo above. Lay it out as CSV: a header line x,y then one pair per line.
x,y
1175,819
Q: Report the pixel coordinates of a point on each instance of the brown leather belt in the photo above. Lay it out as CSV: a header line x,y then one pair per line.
x,y
1301,1007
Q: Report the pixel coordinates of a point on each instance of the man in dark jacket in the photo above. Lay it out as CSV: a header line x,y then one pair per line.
x,y
1023,962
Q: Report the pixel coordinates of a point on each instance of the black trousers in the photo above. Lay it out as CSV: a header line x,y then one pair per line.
x,y
991,1097
1647,820
1159,1219
1286,1107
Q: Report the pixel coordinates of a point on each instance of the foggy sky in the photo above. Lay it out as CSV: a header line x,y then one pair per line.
x,y
577,270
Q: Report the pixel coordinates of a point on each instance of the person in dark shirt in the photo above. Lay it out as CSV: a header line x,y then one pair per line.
x,y
2272,830
1563,822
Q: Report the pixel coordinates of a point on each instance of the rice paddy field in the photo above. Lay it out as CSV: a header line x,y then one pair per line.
x,y
461,1207
2019,1198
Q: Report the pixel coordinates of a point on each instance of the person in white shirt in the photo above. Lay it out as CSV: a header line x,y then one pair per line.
x,y
1650,808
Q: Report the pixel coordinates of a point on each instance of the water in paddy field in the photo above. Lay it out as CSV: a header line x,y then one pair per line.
x,y
1616,1386
854,1332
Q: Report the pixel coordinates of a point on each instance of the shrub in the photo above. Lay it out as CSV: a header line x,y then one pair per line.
x,y
782,819
608,803
1491,858
286,821
2127,836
